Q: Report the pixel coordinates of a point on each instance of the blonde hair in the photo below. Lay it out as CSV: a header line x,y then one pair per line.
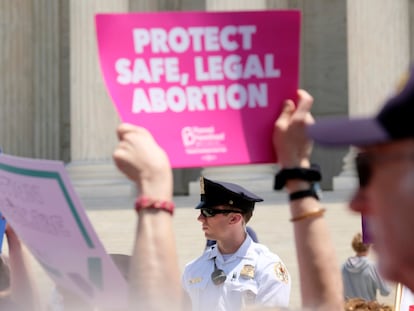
x,y
358,245
359,304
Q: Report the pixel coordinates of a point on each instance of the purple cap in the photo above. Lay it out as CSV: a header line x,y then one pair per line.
x,y
393,122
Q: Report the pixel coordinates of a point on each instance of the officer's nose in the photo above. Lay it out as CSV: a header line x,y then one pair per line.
x,y
201,217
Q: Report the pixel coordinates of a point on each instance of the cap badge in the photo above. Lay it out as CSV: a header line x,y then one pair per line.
x,y
403,81
247,272
202,191
231,202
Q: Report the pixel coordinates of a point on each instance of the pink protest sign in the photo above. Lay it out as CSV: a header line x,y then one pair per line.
x,y
208,85
37,199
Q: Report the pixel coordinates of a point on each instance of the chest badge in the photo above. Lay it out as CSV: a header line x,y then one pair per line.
x,y
247,272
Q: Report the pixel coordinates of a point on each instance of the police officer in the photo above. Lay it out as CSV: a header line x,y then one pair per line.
x,y
235,272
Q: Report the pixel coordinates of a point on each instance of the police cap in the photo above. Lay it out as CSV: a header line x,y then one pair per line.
x,y
214,193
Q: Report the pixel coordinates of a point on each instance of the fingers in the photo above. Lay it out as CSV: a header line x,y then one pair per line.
x,y
288,108
284,118
125,128
302,111
122,129
304,107
120,152
123,151
305,101
134,141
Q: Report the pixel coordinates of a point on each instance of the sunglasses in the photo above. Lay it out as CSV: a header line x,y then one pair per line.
x,y
364,162
211,212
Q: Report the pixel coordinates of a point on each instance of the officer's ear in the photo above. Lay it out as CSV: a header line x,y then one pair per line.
x,y
235,218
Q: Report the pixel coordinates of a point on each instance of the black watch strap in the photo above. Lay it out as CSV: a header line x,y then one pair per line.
x,y
314,191
303,194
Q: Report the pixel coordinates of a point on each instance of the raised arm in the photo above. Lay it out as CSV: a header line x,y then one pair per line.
x,y
23,289
154,271
320,279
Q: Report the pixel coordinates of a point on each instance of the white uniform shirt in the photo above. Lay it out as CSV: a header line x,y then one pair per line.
x,y
254,276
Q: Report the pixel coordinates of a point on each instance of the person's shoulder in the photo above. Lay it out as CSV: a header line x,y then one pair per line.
x,y
198,269
265,258
367,261
263,251
258,246
202,259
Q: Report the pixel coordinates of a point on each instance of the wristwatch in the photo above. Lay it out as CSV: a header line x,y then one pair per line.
x,y
314,191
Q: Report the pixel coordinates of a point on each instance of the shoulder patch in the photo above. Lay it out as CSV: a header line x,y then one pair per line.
x,y
281,272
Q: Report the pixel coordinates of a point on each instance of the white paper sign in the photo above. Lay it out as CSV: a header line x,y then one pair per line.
x,y
38,200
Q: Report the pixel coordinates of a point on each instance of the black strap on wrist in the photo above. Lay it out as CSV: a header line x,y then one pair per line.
x,y
303,194
311,174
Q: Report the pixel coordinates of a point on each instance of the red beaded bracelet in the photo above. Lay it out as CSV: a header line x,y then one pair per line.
x,y
145,202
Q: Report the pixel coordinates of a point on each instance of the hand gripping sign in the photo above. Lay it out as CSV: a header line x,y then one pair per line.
x,y
208,85
38,201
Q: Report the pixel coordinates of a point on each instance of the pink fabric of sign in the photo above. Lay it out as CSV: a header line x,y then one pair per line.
x,y
208,85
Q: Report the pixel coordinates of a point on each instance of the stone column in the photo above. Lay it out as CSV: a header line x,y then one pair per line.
x,y
64,79
411,19
16,105
378,54
323,70
33,83
46,79
235,5
93,116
